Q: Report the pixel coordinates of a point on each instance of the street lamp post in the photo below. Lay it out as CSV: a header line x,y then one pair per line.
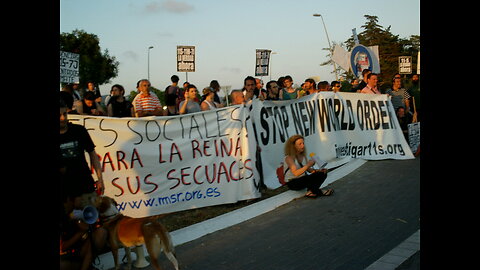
x,y
329,45
148,63
270,71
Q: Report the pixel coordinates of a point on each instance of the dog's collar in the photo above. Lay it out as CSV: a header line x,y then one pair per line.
x,y
109,218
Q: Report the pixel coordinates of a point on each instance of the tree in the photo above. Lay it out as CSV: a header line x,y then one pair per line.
x,y
94,65
390,47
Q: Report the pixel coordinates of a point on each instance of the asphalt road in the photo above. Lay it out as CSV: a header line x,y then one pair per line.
x,y
373,210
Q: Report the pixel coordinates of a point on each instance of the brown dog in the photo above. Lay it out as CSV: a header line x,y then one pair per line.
x,y
126,232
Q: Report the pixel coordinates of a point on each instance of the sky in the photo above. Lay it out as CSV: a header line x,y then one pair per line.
x,y
226,34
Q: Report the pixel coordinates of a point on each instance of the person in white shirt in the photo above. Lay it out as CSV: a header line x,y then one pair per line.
x,y
209,102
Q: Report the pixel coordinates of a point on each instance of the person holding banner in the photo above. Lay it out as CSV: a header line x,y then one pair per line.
x,y
237,97
89,106
371,88
323,86
209,102
398,95
78,189
92,88
118,105
288,92
335,85
190,105
249,87
76,176
259,91
296,167
363,83
310,86
272,91
146,103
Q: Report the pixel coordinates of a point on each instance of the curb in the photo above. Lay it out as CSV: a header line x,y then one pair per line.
x,y
401,253
195,231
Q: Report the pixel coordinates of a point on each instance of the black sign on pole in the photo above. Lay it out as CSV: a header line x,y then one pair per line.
x,y
186,58
262,62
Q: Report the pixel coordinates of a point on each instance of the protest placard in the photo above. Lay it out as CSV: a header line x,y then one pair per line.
x,y
405,65
69,67
262,62
186,58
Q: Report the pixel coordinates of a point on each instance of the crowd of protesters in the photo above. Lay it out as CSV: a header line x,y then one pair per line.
x,y
82,241
89,100
404,94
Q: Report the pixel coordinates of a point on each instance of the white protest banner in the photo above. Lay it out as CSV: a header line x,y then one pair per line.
x,y
341,57
69,67
336,127
156,165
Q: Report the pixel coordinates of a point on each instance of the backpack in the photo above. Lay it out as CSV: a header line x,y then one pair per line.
x,y
171,98
281,174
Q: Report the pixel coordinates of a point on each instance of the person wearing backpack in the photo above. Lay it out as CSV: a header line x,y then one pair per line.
x,y
171,96
299,173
